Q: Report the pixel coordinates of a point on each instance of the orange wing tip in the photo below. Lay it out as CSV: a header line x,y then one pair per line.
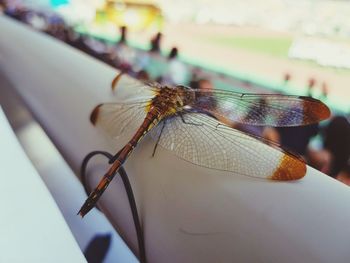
x,y
116,80
94,114
316,109
289,169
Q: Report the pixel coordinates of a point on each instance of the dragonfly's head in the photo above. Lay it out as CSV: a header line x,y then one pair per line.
x,y
187,95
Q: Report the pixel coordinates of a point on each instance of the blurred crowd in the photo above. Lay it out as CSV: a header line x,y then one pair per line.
x,y
330,154
307,17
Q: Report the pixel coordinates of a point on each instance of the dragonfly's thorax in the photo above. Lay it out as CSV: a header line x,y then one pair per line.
x,y
170,100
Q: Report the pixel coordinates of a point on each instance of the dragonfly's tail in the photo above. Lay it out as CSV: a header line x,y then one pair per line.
x,y
101,187
95,195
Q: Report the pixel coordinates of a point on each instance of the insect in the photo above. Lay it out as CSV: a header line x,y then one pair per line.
x,y
193,124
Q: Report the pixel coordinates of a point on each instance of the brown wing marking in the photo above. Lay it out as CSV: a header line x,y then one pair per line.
x,y
289,168
314,110
94,114
116,80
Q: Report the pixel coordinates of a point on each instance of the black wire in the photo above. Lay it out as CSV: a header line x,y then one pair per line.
x,y
132,202
84,165
129,192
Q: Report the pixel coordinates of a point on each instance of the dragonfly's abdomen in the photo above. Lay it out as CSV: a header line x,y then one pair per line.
x,y
147,124
163,105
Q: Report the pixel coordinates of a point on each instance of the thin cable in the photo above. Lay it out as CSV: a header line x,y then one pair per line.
x,y
129,192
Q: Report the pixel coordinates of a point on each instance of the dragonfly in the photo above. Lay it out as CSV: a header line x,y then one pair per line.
x,y
196,126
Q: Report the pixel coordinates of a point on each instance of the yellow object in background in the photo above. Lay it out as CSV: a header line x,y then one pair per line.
x,y
136,15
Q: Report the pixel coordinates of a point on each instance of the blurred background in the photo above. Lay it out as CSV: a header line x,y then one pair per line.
x,y
274,46
266,42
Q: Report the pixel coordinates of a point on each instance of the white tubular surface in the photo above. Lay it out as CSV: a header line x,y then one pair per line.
x,y
32,229
189,213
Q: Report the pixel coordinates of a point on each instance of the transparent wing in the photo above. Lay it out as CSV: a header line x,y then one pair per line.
x,y
261,109
116,119
129,89
202,140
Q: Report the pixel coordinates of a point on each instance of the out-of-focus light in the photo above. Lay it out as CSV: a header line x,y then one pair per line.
x,y
132,18
133,14
203,16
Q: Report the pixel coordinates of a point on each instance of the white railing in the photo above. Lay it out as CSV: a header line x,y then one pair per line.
x,y
189,213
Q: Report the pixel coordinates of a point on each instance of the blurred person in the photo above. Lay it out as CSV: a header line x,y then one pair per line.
x,y
79,43
176,72
37,21
56,27
319,159
205,85
123,34
141,61
310,86
125,56
142,75
121,55
155,43
324,90
3,6
344,175
255,130
97,46
205,99
193,84
286,79
71,36
334,157
195,73
16,12
297,138
270,134
337,142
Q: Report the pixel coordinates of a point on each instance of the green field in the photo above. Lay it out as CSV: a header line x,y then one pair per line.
x,y
275,46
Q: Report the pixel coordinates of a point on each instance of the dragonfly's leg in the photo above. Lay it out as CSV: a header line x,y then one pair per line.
x,y
160,135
